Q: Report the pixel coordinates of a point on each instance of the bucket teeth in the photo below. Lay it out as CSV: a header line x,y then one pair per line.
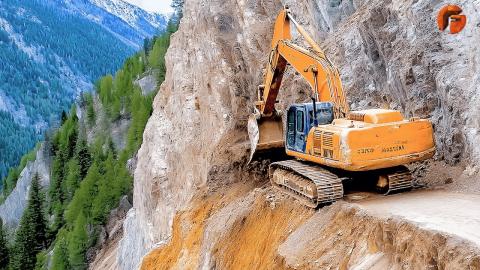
x,y
312,185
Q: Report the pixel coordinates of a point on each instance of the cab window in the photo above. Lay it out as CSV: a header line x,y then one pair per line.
x,y
300,127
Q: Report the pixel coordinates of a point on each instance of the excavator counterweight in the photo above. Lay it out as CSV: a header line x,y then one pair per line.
x,y
326,141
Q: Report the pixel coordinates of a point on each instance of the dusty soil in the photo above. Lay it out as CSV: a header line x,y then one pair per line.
x,y
183,250
456,214
353,238
259,228
252,241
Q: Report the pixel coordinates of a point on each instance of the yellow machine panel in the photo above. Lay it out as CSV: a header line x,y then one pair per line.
x,y
362,146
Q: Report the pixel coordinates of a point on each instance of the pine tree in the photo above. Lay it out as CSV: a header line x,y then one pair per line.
x,y
64,117
55,191
90,109
58,218
31,234
107,193
73,178
146,46
83,156
82,200
38,215
4,185
41,263
60,254
4,254
104,89
78,241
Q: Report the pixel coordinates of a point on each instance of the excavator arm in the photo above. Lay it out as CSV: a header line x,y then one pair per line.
x,y
312,64
265,127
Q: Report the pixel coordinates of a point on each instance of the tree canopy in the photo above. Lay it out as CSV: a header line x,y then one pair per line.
x,y
88,177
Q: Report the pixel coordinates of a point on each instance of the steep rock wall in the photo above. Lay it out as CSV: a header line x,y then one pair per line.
x,y
389,53
196,133
12,209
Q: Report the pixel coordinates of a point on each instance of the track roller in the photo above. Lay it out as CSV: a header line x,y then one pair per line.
x,y
311,185
397,179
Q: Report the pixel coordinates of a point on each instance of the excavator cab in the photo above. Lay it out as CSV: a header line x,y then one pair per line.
x,y
300,119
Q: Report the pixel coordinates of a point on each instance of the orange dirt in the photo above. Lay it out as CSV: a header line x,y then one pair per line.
x,y
253,241
183,243
183,249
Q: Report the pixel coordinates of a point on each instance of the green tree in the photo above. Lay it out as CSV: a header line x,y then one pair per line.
x,y
64,117
73,178
156,59
146,46
31,234
60,254
35,206
55,189
83,156
64,145
90,109
104,89
141,108
58,217
107,193
78,243
82,200
41,263
4,254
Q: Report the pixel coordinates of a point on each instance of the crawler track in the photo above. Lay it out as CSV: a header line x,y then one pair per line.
x,y
312,185
399,179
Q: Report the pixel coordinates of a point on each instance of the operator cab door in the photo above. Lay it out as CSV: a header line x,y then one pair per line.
x,y
296,129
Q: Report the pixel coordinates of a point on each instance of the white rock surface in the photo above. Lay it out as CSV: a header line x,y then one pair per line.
x,y
12,209
390,55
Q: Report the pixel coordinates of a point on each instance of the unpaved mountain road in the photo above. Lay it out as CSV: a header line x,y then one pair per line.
x,y
457,214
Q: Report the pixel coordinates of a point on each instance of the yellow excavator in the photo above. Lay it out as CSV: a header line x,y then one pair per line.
x,y
330,143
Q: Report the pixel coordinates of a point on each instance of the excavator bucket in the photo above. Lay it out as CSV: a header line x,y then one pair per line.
x,y
265,133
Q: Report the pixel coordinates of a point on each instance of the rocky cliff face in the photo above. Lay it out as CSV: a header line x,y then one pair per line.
x,y
390,55
196,138
12,209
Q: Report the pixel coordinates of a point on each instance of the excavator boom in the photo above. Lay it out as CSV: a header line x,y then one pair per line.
x,y
265,125
312,64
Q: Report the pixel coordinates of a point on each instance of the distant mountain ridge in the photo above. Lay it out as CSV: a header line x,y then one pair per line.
x,y
128,21
50,52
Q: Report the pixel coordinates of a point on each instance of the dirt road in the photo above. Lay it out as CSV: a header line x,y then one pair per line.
x,y
456,214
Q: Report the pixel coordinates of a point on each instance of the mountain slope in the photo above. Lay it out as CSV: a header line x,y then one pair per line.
x,y
128,22
52,50
85,165
141,20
